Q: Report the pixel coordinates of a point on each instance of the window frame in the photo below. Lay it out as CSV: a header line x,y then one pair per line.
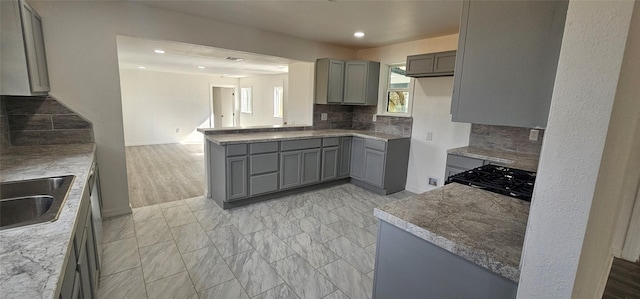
x,y
246,107
387,88
278,90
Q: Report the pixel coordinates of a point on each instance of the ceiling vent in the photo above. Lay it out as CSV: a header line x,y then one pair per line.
x,y
237,59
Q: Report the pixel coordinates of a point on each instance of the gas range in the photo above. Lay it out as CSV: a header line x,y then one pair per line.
x,y
499,179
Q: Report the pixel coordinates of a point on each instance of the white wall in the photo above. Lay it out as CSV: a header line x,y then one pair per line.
x,y
262,88
299,104
155,104
80,38
431,106
583,96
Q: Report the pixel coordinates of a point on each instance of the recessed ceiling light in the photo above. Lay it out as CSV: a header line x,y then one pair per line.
x,y
142,67
359,34
281,66
200,67
159,51
238,59
225,74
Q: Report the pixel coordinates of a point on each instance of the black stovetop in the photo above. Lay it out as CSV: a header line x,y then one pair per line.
x,y
499,179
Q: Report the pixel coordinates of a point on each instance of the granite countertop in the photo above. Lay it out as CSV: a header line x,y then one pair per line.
x,y
207,131
224,139
482,227
32,257
527,162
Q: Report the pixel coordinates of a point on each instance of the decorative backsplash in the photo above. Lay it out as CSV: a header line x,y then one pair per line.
x,y
511,139
4,127
43,121
360,118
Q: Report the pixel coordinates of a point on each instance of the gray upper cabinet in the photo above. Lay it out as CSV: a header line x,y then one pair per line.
x,y
22,54
329,81
361,83
506,63
431,65
347,82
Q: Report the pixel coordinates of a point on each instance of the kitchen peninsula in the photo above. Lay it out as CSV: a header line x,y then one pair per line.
x,y
243,168
452,242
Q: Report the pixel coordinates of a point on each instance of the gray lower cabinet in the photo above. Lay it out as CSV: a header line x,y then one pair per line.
x,y
357,158
310,173
290,166
82,268
410,267
504,77
263,173
378,165
330,157
374,167
236,178
344,164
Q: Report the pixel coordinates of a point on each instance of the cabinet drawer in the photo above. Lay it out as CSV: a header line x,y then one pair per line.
x,y
333,141
263,183
236,150
375,144
300,144
263,163
263,147
463,162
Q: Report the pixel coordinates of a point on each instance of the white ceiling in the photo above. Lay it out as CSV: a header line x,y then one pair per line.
x,y
134,53
332,22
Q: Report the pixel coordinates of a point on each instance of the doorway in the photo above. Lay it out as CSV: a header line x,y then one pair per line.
x,y
223,107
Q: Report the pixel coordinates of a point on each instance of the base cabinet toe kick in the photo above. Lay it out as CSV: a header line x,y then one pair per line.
x,y
244,173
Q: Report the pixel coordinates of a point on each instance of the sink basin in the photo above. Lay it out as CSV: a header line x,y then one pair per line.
x,y
32,201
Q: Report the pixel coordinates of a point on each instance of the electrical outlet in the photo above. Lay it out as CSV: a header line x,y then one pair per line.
x,y
374,118
429,135
433,182
533,135
177,130
323,116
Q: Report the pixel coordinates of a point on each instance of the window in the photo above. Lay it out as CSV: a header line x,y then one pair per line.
x,y
398,91
277,101
246,103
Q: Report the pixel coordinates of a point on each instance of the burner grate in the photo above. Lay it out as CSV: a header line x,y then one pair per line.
x,y
499,179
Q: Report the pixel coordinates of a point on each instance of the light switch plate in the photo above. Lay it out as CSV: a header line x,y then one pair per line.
x,y
374,118
433,182
429,135
323,116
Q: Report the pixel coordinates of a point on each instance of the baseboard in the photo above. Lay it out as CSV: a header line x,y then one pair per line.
x,y
151,142
115,212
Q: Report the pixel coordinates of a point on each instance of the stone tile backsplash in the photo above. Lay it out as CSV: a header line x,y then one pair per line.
x,y
43,121
4,127
360,118
511,139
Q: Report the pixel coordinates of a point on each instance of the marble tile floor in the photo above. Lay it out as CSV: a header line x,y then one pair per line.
x,y
318,244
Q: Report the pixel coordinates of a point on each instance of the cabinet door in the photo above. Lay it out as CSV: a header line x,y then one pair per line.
x,y
290,167
83,267
344,157
34,43
330,163
236,178
357,158
77,286
419,64
444,62
509,96
374,167
69,276
355,87
91,255
336,81
310,166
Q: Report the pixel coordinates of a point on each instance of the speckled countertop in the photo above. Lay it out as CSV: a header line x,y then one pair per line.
x,y
482,227
224,139
32,257
527,162
218,130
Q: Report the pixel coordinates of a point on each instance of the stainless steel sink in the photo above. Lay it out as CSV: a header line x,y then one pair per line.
x,y
32,201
